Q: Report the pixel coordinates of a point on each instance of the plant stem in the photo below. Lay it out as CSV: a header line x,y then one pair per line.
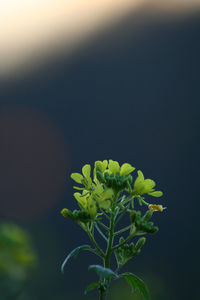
x,y
101,233
109,246
124,242
103,225
124,210
111,234
101,295
122,230
101,253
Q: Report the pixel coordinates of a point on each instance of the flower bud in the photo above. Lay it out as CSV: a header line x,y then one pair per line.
x,y
66,213
140,243
148,215
100,176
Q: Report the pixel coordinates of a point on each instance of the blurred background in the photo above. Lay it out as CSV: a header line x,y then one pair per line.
x,y
90,80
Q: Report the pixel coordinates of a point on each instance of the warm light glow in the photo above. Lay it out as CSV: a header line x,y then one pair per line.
x,y
29,28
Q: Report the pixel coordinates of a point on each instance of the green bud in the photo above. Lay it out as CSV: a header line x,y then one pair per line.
x,y
153,229
148,215
81,216
66,213
100,176
121,240
140,243
130,179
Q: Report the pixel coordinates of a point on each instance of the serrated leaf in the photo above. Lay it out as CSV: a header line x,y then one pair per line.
x,y
74,254
91,287
103,272
136,283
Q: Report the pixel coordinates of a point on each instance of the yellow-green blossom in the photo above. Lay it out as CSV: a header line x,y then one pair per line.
x,y
98,197
86,202
102,196
145,186
126,169
114,168
84,179
82,199
102,165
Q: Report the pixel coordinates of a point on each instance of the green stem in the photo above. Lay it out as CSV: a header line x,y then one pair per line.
x,y
125,209
102,294
101,233
105,215
125,241
111,234
122,230
101,253
103,225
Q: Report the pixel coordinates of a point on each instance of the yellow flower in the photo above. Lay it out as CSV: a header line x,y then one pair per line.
x,y
86,202
113,167
145,186
86,170
126,169
156,207
84,179
82,199
103,197
102,165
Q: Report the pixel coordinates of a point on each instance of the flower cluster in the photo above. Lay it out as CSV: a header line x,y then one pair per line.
x,y
107,179
105,195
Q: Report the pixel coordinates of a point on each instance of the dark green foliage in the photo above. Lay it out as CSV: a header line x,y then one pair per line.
x,y
74,254
117,182
128,251
103,272
136,284
141,223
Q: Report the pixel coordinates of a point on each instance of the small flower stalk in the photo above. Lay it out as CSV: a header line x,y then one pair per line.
x,y
106,195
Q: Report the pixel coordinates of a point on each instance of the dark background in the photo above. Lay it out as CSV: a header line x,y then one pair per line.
x,y
131,95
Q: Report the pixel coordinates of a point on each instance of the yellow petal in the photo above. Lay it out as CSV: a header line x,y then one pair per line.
x,y
102,165
113,166
126,169
82,200
105,204
139,180
107,194
86,170
148,185
77,177
156,194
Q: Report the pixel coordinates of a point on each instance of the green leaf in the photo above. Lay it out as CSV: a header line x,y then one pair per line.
x,y
103,272
74,254
136,283
91,287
